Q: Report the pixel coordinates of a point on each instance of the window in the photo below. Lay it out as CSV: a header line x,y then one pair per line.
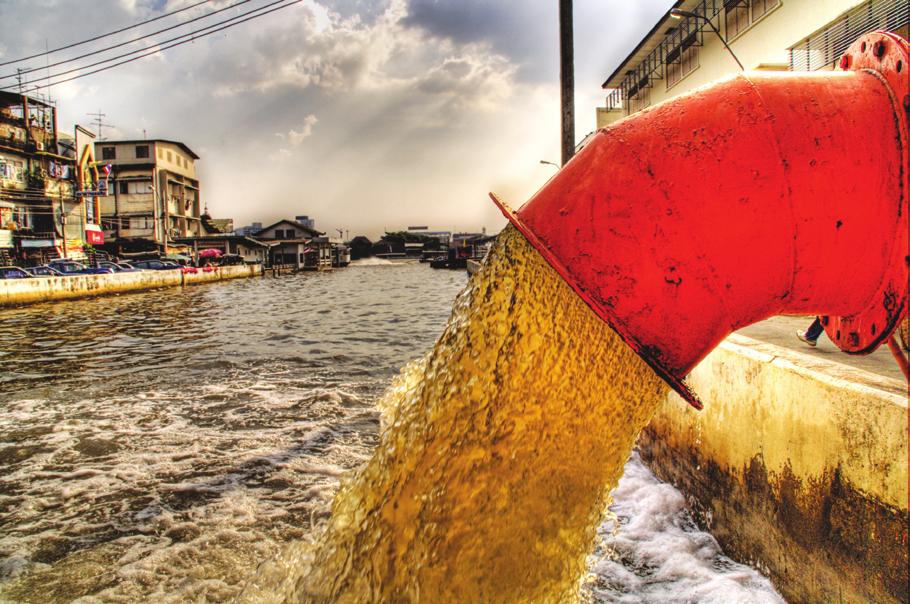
x,y
12,169
761,7
142,151
169,156
687,62
108,153
639,100
160,153
736,18
741,14
133,187
143,222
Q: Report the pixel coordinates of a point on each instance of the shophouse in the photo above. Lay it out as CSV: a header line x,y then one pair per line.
x,y
46,190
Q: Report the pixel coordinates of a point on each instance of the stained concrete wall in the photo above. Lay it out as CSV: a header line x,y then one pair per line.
x,y
15,292
798,466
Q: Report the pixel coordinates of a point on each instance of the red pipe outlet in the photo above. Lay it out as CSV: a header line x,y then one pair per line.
x,y
762,194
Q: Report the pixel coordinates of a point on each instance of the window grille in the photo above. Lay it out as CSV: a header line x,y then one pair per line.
x,y
823,48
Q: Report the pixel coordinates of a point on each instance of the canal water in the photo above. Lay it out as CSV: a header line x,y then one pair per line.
x,y
162,446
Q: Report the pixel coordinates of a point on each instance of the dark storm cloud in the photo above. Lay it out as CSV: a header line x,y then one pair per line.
x,y
364,113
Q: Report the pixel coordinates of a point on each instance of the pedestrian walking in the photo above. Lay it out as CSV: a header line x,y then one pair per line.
x,y
810,336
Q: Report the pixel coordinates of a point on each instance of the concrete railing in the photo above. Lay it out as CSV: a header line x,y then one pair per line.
x,y
15,292
798,466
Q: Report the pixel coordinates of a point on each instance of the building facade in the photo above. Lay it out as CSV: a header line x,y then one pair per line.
x,y
679,55
296,245
251,250
43,214
154,195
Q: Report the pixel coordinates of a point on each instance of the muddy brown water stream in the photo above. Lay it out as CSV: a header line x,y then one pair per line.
x,y
186,445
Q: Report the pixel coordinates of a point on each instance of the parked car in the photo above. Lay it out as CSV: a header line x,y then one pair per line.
x,y
153,265
43,271
71,267
118,267
126,268
13,272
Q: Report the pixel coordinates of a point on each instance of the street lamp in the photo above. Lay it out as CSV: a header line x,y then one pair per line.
x,y
679,14
549,163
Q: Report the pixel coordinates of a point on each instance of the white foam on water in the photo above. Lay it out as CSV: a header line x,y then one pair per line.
x,y
652,552
372,261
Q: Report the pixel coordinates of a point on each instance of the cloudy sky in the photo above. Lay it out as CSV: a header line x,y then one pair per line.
x,y
366,114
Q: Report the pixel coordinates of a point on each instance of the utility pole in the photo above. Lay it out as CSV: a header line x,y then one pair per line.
x,y
567,79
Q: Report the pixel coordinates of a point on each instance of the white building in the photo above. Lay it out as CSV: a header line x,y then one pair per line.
x,y
678,55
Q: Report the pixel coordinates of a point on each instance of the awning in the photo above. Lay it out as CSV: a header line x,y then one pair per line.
x,y
7,205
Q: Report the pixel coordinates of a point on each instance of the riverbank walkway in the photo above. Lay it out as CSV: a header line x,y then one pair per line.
x,y
781,331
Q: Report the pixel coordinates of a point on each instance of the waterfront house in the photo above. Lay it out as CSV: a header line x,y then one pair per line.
x,y
250,249
681,54
46,191
295,245
154,197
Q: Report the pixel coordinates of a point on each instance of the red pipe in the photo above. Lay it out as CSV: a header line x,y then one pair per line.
x,y
760,195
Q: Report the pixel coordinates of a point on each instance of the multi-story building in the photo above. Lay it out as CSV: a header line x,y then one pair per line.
x,y
43,186
154,195
683,52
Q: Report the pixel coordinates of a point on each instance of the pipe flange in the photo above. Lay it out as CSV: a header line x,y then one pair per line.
x,y
888,56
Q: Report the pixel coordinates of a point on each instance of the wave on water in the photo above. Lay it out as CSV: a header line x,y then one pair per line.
x,y
374,261
651,551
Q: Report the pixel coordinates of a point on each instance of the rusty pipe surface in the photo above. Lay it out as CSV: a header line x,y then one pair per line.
x,y
758,195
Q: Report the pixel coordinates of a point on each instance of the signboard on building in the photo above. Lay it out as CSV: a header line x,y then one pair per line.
x,y
93,234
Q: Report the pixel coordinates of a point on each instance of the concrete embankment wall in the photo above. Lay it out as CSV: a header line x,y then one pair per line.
x,y
15,292
797,466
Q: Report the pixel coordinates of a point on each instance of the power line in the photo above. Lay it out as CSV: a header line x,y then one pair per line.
x,y
118,31
128,42
187,37
160,49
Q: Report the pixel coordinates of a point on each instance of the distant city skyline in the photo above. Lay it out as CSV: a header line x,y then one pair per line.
x,y
366,114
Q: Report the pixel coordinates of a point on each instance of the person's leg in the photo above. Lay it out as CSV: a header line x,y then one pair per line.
x,y
810,336
815,329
